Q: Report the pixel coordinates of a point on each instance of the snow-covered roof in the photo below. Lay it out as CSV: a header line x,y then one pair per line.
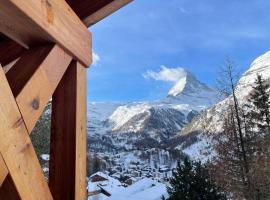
x,y
110,185
99,196
145,189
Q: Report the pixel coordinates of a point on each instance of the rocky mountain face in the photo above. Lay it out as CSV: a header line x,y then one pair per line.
x,y
149,124
190,91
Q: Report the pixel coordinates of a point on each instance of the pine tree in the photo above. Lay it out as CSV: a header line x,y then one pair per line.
x,y
191,181
258,116
260,99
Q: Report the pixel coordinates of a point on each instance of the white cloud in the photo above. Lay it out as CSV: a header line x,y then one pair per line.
x,y
166,74
96,58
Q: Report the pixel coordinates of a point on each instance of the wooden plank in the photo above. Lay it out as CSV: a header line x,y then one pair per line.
x,y
34,78
81,145
3,170
34,22
92,11
105,11
8,190
84,8
9,51
17,150
68,136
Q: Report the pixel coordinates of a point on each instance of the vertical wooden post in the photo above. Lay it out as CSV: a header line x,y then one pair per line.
x,y
67,177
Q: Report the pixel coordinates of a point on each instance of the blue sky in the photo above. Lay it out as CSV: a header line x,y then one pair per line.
x,y
196,35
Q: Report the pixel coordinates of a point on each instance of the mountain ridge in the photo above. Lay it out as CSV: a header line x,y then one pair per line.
x,y
209,119
156,121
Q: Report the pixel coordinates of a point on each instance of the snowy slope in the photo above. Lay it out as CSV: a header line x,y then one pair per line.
x,y
210,120
97,113
141,117
145,189
190,91
126,112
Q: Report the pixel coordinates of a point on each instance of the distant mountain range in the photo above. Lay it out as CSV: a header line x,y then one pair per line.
x,y
141,124
177,122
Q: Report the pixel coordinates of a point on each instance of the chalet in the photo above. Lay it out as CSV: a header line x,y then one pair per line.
x,y
130,181
97,178
100,183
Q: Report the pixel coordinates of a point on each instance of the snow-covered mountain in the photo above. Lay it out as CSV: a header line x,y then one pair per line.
x,y
190,91
210,120
97,114
151,122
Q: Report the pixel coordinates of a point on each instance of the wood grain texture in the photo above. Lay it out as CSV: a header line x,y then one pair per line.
x,y
34,78
3,170
84,8
68,136
92,11
17,150
105,11
80,168
34,22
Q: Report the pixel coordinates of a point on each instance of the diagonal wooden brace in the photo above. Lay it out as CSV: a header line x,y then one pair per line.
x,y
33,80
17,150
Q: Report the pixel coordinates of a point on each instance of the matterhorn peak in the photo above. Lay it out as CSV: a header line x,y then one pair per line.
x,y
180,84
187,84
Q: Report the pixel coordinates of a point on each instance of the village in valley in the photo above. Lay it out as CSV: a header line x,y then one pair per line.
x,y
123,173
102,186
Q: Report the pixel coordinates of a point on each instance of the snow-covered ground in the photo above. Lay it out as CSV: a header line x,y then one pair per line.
x,y
97,114
202,150
109,188
145,189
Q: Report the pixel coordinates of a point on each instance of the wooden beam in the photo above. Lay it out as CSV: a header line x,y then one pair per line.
x,y
33,22
67,174
92,11
3,170
81,144
17,150
105,11
34,78
84,8
9,51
